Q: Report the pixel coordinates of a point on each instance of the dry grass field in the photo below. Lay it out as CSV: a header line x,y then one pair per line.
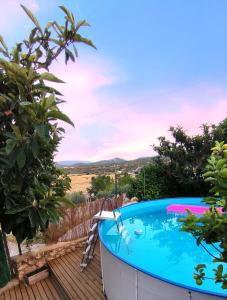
x,y
80,182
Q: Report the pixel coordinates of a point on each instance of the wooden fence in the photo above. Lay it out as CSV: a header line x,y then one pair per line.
x,y
75,222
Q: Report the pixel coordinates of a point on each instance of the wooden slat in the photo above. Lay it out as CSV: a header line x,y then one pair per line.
x,y
77,287
12,294
64,282
18,293
91,288
88,284
2,296
93,269
42,293
8,296
47,291
24,292
91,273
30,293
35,291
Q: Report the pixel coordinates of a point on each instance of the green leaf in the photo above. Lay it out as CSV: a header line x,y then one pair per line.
x,y
81,23
50,102
70,54
3,43
3,52
56,114
25,103
78,38
66,11
21,158
17,209
75,50
67,202
199,281
10,144
35,148
223,173
50,77
32,17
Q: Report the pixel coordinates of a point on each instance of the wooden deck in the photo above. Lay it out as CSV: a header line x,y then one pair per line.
x,y
86,285
42,290
66,281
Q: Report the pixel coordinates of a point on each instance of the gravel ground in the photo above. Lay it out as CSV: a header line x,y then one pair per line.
x,y
13,249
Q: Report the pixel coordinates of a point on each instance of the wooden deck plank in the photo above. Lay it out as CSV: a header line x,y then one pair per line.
x,y
51,289
35,291
90,285
92,270
24,292
73,294
30,293
92,273
12,294
95,262
7,295
18,293
78,287
47,290
2,296
41,291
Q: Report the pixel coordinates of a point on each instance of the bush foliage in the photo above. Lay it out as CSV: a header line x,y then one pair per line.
x,y
106,186
77,197
211,228
177,170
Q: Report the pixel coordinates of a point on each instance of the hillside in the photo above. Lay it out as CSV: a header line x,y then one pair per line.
x,y
108,166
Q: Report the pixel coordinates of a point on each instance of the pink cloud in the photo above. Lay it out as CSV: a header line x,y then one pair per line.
x,y
83,81
136,125
11,14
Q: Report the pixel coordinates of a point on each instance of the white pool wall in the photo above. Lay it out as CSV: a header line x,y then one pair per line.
x,y
123,282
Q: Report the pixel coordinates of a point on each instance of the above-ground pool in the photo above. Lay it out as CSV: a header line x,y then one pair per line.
x,y
151,258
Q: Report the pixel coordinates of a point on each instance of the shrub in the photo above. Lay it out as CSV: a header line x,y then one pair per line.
x,y
77,197
177,170
211,227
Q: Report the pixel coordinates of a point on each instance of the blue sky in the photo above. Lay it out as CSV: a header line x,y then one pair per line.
x,y
159,63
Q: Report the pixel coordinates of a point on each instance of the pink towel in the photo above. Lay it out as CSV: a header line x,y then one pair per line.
x,y
195,209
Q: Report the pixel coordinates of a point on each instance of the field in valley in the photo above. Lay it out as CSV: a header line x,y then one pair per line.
x,y
80,182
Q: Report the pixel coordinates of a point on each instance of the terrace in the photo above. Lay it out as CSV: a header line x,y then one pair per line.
x,y
66,281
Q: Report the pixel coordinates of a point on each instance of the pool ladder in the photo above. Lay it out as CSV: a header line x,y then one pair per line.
x,y
113,215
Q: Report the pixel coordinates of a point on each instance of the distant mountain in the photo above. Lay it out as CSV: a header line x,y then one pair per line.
x,y
75,163
115,160
105,166
68,163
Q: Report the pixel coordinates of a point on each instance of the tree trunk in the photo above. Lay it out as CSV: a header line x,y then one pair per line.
x,y
4,266
8,253
19,249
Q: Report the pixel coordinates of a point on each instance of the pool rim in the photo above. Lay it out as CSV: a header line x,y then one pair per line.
x,y
198,290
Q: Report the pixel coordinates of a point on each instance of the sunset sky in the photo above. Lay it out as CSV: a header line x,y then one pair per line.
x,y
159,63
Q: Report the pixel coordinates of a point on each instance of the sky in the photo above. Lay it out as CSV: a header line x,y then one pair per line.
x,y
158,63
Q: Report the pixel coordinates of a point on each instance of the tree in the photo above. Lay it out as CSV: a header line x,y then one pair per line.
x,y
100,183
150,183
177,170
32,188
211,227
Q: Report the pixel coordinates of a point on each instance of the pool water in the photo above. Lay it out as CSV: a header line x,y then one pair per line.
x,y
152,242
